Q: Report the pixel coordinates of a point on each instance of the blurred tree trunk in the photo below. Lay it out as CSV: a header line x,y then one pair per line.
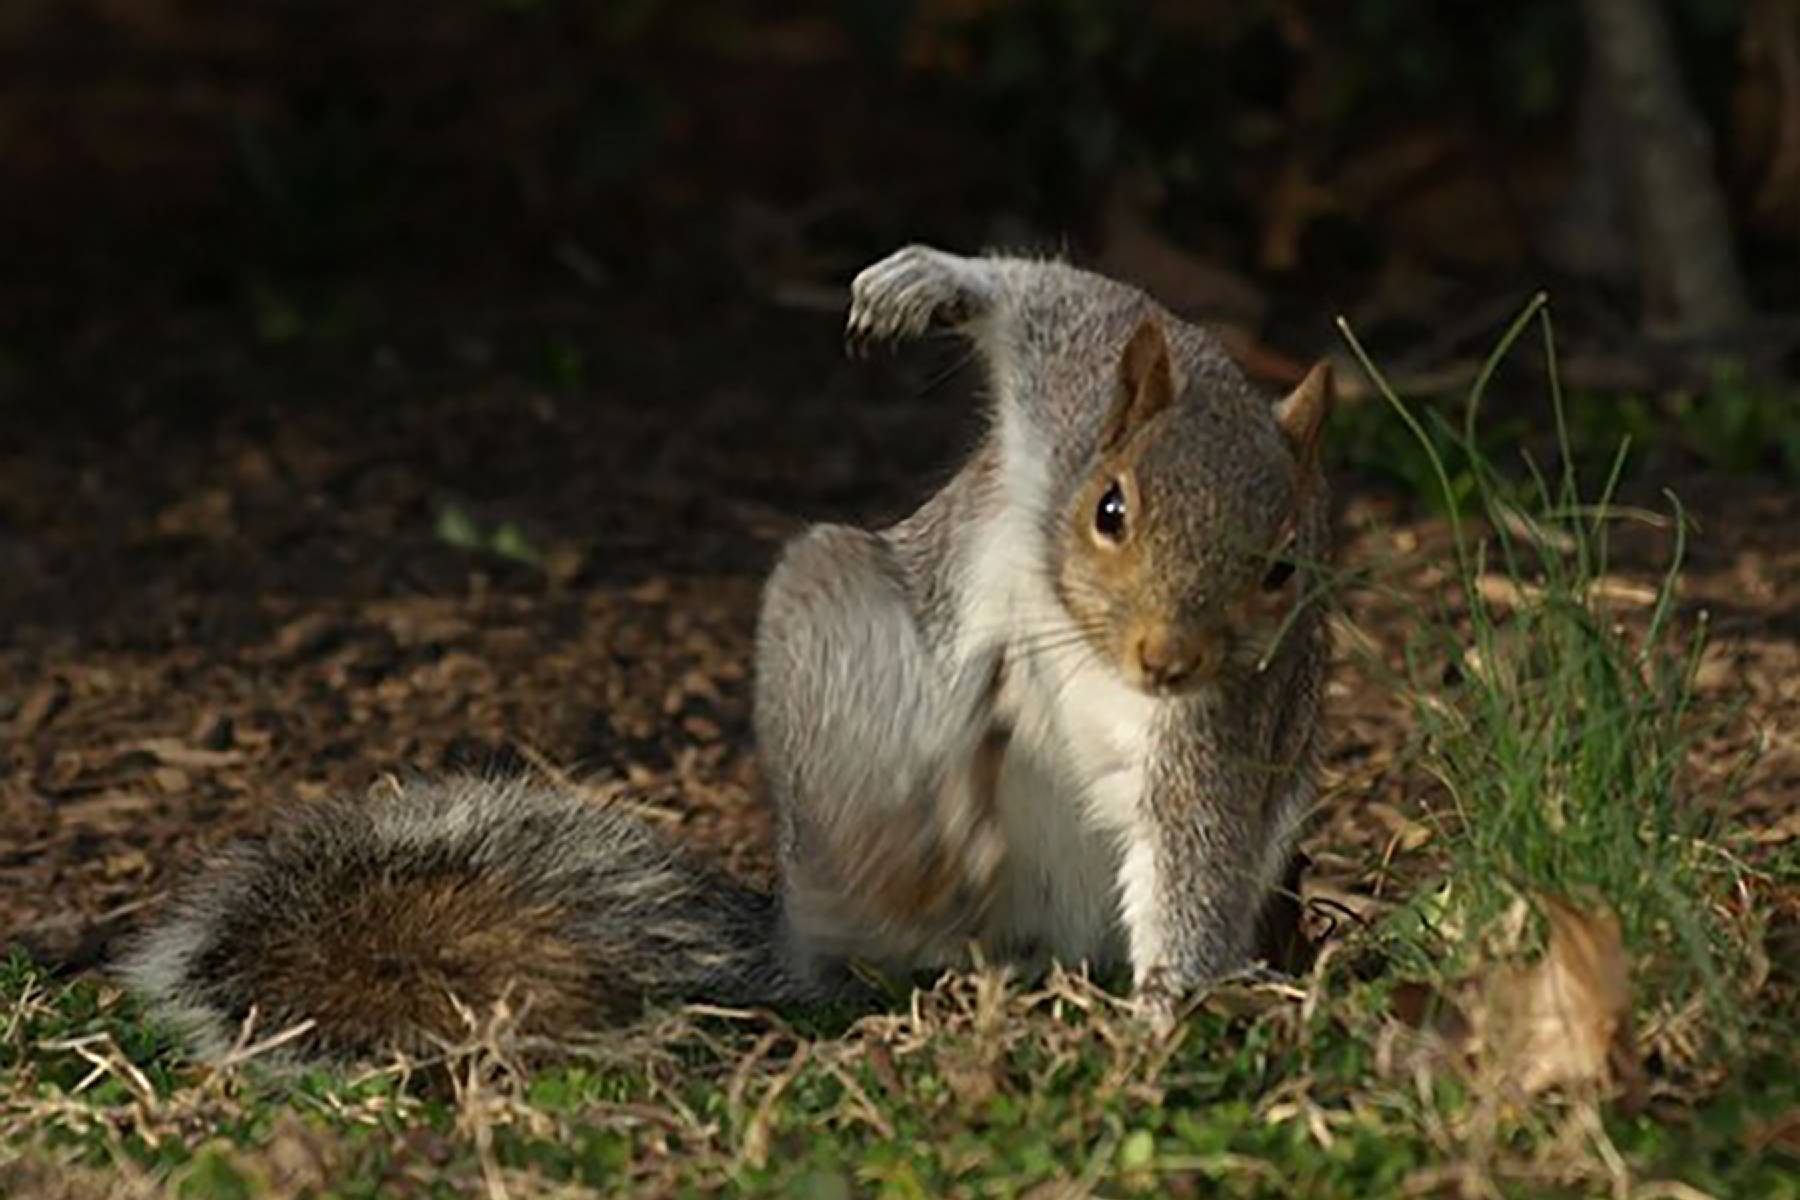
x,y
1691,285
1590,234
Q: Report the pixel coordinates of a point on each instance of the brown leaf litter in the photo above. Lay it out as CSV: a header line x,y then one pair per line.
x,y
1561,1021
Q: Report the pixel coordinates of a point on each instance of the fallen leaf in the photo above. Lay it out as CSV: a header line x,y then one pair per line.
x,y
171,781
42,706
1565,1019
1420,1006
1408,834
1057,1189
173,752
306,637
655,590
1784,829
1240,1001
1777,1133
206,515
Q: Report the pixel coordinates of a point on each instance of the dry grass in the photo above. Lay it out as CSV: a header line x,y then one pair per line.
x,y
1328,1085
1550,733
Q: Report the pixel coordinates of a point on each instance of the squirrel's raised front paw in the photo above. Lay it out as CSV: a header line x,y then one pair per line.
x,y
907,292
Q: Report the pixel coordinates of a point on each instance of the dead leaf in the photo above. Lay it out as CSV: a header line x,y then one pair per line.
x,y
1408,834
1610,589
1777,1133
701,728
206,515
130,863
1058,1189
1420,1006
1784,829
1565,1019
46,701
213,731
305,637
1502,591
173,752
655,590
1240,1001
171,781
564,562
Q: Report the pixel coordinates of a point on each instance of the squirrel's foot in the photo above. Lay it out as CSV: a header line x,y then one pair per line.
x,y
910,291
1159,1001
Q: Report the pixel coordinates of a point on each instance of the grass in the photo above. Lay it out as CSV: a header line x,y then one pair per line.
x,y
1554,728
984,1089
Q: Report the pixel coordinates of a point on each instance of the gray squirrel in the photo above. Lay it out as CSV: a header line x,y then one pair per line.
x,y
1067,710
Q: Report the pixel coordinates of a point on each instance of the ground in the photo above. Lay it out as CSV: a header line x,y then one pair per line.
x,y
244,563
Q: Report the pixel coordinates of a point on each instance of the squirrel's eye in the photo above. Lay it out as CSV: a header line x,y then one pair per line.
x,y
1109,516
1280,570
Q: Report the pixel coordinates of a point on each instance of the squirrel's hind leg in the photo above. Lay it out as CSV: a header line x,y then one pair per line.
x,y
915,289
881,759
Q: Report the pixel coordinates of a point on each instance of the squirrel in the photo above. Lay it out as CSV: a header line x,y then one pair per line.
x,y
1069,709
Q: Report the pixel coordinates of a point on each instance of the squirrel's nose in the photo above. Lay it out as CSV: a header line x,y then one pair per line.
x,y
1165,659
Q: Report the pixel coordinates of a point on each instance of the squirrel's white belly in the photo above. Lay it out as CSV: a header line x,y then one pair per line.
x,y
1070,786
1073,775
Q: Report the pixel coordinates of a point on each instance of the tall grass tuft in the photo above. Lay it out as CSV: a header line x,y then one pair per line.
x,y
1555,722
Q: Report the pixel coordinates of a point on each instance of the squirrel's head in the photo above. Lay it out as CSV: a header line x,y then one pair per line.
x,y
1177,554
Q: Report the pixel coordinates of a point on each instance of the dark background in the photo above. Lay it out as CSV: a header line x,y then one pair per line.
x,y
405,385
315,168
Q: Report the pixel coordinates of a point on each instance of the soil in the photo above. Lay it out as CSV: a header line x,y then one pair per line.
x,y
231,577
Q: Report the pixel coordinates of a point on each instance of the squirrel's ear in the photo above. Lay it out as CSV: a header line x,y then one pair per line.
x,y
1146,385
1301,413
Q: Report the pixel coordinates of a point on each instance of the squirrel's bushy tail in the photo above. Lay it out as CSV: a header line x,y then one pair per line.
x,y
385,920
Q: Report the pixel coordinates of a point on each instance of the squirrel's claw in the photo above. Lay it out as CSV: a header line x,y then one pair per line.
x,y
905,294
1158,1002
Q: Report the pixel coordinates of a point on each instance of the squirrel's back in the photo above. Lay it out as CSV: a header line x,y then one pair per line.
x,y
387,921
